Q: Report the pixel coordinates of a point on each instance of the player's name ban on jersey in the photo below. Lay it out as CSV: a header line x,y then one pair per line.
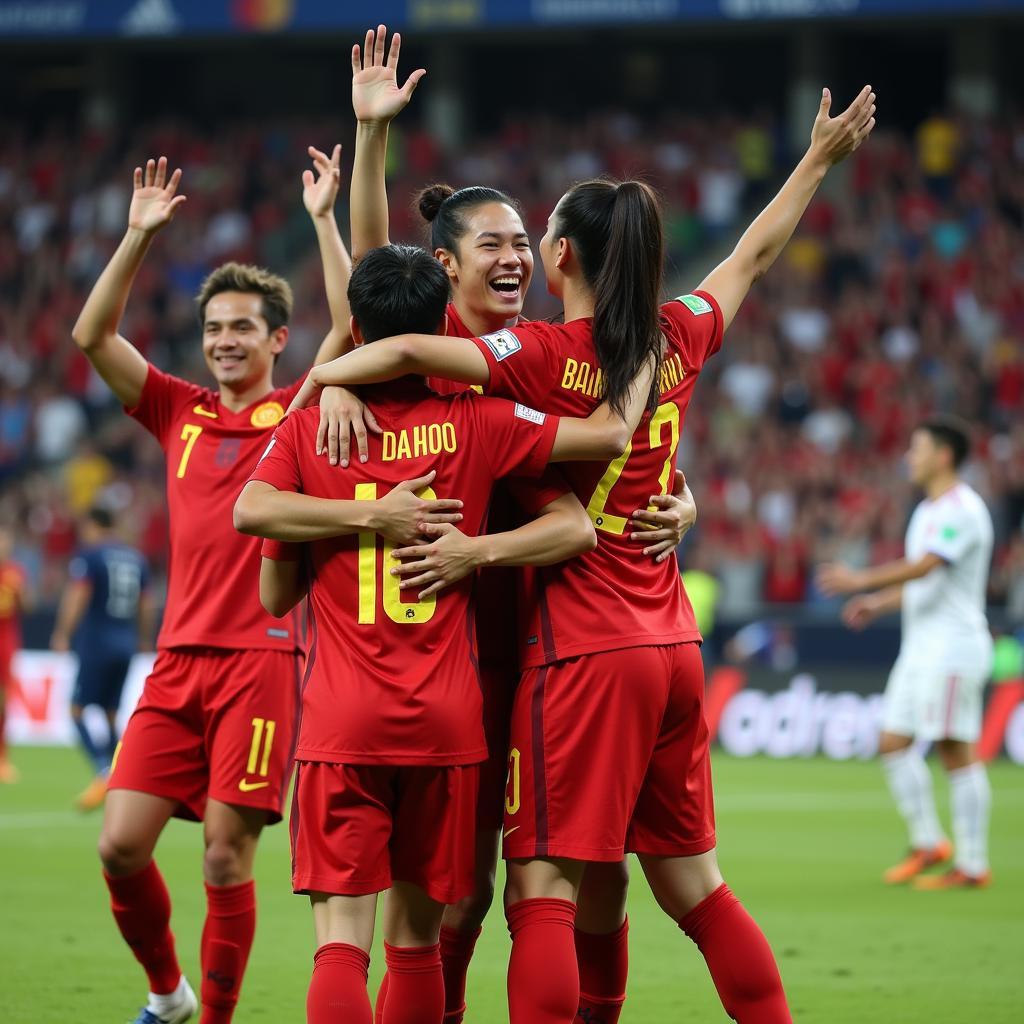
x,y
425,439
581,376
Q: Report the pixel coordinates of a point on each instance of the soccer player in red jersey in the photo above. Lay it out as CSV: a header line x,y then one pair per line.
x,y
609,743
211,739
12,604
392,709
478,235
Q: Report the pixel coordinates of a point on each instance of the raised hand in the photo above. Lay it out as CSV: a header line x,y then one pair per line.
x,y
319,193
154,201
376,97
835,138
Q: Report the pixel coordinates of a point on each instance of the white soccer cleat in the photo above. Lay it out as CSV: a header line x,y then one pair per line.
x,y
182,1008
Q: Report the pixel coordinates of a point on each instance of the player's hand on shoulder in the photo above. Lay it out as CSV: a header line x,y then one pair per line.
x,y
403,515
450,557
342,416
319,191
154,198
663,528
835,138
376,96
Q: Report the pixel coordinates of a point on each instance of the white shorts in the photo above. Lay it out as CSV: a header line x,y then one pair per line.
x,y
936,700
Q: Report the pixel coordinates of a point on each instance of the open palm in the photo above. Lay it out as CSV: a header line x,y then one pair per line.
x,y
835,138
376,96
154,200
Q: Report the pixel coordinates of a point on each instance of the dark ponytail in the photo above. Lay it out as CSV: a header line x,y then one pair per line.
x,y
444,210
617,235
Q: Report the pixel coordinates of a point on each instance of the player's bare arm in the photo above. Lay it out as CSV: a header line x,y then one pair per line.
x,y
73,605
561,530
663,527
147,621
832,140
154,204
319,193
264,511
834,578
282,585
860,611
376,100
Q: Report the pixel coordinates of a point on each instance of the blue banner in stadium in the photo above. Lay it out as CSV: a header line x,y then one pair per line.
x,y
137,18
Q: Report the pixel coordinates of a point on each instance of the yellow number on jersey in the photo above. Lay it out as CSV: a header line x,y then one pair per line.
x,y
512,799
394,608
262,737
189,433
664,415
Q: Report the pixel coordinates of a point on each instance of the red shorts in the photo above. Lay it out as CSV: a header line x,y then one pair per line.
x,y
214,724
356,828
610,755
499,690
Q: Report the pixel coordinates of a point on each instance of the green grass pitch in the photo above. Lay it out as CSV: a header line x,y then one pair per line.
x,y
803,843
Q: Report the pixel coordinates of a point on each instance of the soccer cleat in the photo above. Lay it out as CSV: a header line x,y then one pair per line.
x,y
93,795
918,861
187,1006
8,773
954,879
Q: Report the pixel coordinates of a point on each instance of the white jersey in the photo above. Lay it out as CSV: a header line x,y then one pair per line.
x,y
944,612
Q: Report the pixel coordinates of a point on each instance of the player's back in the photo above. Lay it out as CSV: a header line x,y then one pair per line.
x,y
947,606
117,575
392,679
613,596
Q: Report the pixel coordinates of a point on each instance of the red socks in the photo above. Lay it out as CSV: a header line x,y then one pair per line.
x,y
142,910
224,952
456,952
337,990
415,987
739,959
543,979
604,964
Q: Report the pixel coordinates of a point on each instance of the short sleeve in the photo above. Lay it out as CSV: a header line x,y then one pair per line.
x,y
281,551
163,397
78,568
523,362
517,440
533,495
698,325
279,463
954,533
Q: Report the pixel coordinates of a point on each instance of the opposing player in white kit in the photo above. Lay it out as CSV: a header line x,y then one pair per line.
x,y
935,688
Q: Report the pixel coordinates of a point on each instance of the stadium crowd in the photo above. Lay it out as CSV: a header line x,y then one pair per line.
x,y
901,294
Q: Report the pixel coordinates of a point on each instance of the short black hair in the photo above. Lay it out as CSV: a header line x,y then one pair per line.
x,y
101,516
951,433
397,289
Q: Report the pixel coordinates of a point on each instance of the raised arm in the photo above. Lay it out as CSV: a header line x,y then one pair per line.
x,y
116,360
319,193
832,140
376,100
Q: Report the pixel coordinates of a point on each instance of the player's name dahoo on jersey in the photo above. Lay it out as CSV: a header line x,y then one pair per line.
x,y
581,376
425,439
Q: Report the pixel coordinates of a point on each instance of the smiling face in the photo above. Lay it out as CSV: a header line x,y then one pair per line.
x,y
238,345
492,268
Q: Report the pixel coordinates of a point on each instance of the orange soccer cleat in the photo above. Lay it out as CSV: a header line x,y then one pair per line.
x,y
918,861
954,879
93,795
8,773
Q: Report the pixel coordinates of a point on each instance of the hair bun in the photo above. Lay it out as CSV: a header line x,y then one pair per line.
x,y
430,199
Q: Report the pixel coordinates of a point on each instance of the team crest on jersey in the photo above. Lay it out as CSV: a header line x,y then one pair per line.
x,y
269,414
695,304
502,343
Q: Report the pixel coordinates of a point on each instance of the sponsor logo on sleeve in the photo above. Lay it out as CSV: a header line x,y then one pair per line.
x,y
949,533
524,412
502,343
695,304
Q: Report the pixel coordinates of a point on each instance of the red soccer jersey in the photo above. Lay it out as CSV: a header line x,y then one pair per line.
x,y
213,579
12,586
611,597
390,679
